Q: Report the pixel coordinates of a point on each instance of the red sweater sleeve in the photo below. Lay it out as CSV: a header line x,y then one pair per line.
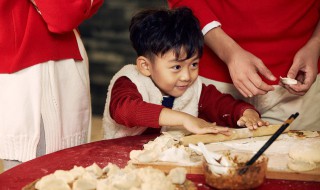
x,y
220,108
66,15
199,8
128,108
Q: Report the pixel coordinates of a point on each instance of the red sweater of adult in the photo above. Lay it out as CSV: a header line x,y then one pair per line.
x,y
128,108
272,30
28,38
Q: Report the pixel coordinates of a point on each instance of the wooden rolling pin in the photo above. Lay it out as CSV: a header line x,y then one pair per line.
x,y
235,134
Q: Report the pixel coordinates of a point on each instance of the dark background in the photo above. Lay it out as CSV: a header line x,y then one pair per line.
x,y
106,38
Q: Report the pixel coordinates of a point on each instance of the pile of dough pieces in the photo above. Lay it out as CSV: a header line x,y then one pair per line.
x,y
304,156
112,177
165,148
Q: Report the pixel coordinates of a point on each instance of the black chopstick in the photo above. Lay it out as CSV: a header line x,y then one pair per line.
x,y
270,141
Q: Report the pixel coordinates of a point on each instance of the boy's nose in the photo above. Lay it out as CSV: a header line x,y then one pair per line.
x,y
185,75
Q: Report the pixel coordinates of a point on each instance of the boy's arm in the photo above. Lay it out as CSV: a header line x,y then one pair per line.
x,y
221,108
128,108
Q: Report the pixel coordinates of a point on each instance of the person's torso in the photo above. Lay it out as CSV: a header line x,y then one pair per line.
x,y
272,30
25,39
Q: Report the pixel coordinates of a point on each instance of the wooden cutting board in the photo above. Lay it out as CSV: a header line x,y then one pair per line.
x,y
277,154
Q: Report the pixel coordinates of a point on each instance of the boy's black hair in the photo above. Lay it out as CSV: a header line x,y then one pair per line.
x,y
157,31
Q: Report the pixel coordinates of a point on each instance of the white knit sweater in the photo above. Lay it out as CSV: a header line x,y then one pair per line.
x,y
187,103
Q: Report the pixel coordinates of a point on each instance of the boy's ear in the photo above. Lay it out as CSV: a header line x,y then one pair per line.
x,y
143,65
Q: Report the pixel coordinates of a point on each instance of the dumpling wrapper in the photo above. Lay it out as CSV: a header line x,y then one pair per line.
x,y
287,80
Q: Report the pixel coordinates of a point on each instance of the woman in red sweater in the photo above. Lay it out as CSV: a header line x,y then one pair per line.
x,y
44,82
250,46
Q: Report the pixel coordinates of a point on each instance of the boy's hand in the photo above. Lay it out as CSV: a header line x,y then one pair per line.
x,y
169,117
251,120
200,126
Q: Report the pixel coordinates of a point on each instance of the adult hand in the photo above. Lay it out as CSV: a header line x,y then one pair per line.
x,y
244,67
304,68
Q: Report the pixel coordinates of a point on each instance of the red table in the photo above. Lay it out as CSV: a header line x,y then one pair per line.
x,y
102,152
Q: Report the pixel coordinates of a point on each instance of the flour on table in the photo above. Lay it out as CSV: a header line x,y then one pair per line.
x,y
166,148
280,146
278,149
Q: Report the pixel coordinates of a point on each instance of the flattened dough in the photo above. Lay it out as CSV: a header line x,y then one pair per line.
x,y
301,134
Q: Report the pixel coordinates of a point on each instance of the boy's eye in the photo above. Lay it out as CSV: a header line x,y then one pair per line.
x,y
195,65
176,67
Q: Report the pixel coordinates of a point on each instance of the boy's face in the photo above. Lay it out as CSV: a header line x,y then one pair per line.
x,y
174,77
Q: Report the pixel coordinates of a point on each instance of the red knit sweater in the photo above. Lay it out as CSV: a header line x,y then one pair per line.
x,y
273,30
128,108
28,38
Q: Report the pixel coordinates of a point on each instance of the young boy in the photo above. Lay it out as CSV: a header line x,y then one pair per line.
x,y
163,88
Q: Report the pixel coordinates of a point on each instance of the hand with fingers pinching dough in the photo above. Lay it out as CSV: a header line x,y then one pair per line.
x,y
251,120
304,68
244,69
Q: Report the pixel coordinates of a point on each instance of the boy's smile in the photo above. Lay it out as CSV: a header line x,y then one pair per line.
x,y
173,77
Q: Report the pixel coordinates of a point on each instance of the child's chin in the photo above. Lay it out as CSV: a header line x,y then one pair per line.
x,y
178,94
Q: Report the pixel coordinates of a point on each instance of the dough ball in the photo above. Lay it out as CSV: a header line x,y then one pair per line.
x,y
307,151
301,166
304,156
177,175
